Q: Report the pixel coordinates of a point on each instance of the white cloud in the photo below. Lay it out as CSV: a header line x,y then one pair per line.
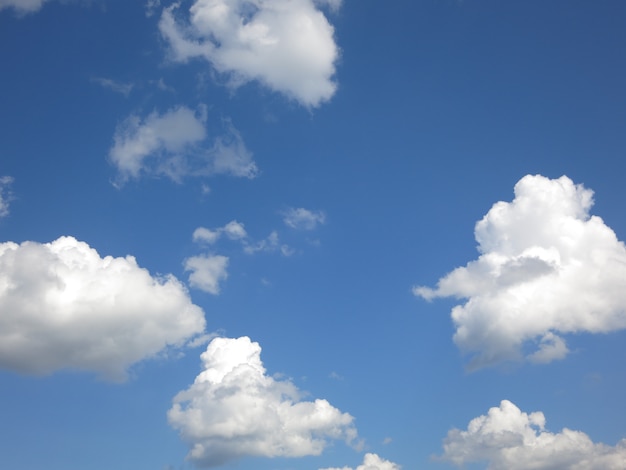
x,y
206,235
371,462
303,219
234,409
176,144
233,230
62,306
546,267
509,439
22,6
5,194
206,272
117,87
287,45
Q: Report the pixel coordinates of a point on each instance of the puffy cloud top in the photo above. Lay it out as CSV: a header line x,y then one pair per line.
x,y
234,409
509,439
63,306
546,267
371,462
176,144
287,45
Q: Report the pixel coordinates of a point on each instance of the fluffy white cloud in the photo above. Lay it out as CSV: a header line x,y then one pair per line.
x,y
546,267
287,45
206,272
303,219
5,194
371,462
22,6
176,144
234,409
63,306
509,439
233,230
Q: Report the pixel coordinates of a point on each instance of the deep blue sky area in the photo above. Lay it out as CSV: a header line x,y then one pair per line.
x,y
303,173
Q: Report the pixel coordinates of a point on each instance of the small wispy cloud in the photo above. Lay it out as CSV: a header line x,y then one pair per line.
x,y
303,219
207,271
6,194
176,144
113,85
23,7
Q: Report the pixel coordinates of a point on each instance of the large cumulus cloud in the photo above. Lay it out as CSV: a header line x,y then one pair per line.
x,y
509,439
546,267
287,45
63,306
234,409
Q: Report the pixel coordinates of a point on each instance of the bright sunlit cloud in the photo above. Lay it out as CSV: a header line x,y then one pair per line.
x,y
509,439
234,409
546,268
370,462
62,306
176,144
287,45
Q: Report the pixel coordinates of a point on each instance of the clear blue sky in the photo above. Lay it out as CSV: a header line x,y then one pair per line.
x,y
320,177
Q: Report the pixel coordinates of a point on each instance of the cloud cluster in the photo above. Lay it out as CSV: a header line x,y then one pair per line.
x,y
509,439
303,219
233,230
234,409
63,306
5,194
208,270
22,6
287,45
371,462
546,268
176,144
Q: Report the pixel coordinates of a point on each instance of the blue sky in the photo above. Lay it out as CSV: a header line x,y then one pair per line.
x,y
312,234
